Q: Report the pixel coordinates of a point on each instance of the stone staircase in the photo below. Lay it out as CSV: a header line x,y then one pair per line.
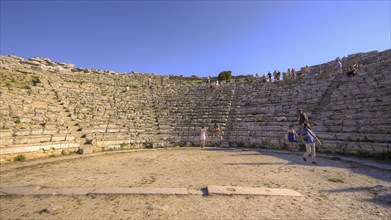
x,y
84,144
357,119
31,123
263,111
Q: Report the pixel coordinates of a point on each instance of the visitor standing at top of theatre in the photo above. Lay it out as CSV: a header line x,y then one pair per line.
x,y
293,73
307,71
289,74
339,65
303,118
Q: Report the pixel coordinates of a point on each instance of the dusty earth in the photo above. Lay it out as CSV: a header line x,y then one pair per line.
x,y
334,189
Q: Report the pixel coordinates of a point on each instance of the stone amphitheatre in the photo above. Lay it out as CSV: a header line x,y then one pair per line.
x,y
80,143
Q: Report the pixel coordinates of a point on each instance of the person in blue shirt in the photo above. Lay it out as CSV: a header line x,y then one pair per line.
x,y
291,138
308,137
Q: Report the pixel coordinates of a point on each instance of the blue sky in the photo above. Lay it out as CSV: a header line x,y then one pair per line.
x,y
193,37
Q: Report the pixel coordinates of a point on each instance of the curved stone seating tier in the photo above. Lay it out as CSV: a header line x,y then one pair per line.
x,y
357,117
29,120
263,112
93,108
186,110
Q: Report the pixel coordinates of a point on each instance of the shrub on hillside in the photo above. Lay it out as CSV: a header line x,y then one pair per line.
x,y
225,75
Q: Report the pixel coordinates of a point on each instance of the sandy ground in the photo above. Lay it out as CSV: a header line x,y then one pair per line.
x,y
334,189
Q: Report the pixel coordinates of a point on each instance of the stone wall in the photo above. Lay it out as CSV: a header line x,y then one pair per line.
x,y
49,107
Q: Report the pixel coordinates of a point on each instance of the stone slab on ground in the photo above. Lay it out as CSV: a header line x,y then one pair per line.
x,y
142,191
234,190
65,192
19,190
195,192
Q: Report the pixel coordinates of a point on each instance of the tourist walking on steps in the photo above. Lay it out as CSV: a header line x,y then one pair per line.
x,y
216,129
292,138
303,118
308,137
203,136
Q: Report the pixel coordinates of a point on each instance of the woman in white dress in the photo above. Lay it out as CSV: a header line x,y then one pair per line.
x,y
203,136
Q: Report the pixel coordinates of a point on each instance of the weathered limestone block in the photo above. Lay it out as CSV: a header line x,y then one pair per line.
x,y
380,148
16,113
36,90
39,104
59,122
50,130
70,137
112,129
5,133
32,62
42,112
63,131
94,130
22,132
19,149
58,137
343,136
32,139
8,124
109,143
65,65
364,147
52,108
25,119
4,141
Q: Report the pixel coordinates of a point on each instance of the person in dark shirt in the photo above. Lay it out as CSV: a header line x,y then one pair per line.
x,y
303,118
270,76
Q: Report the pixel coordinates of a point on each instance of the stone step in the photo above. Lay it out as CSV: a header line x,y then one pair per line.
x,y
24,148
354,147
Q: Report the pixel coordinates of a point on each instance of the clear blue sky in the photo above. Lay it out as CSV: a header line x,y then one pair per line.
x,y
193,37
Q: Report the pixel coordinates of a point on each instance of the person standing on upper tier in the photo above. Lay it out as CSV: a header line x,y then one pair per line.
x,y
269,75
293,73
289,74
307,71
339,65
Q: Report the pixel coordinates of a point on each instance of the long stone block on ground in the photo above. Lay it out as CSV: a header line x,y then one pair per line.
x,y
234,190
142,191
22,190
65,192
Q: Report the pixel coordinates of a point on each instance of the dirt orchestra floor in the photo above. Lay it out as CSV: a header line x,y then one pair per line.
x,y
333,189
